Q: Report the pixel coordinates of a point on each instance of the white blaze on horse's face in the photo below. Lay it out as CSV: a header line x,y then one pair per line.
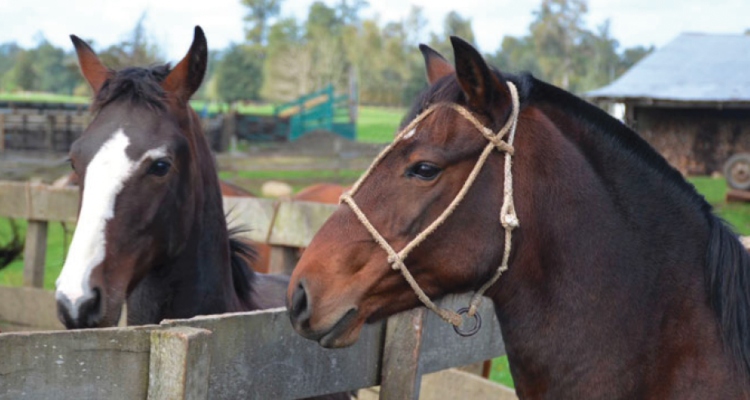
x,y
410,134
105,177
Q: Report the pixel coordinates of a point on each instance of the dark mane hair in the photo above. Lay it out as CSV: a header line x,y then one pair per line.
x,y
138,85
727,262
242,255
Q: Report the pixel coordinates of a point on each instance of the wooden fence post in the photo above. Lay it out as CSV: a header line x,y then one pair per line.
x,y
283,259
34,254
2,132
179,364
228,130
400,375
49,132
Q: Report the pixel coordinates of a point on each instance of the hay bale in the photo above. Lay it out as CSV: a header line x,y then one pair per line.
x,y
276,189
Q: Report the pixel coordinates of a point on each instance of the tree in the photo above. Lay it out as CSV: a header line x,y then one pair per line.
x,y
8,53
137,49
561,50
556,31
22,76
56,71
258,19
237,74
286,70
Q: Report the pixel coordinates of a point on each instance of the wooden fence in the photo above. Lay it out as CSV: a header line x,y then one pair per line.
x,y
252,355
54,130
41,129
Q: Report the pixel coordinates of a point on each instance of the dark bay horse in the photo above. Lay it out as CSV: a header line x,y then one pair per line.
x,y
151,226
621,283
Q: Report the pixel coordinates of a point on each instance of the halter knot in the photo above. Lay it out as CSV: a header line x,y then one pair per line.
x,y
395,261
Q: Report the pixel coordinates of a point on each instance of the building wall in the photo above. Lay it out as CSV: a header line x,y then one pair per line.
x,y
695,141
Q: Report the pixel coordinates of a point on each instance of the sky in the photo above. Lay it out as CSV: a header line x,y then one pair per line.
x,y
170,22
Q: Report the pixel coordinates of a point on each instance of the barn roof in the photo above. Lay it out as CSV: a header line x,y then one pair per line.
x,y
694,67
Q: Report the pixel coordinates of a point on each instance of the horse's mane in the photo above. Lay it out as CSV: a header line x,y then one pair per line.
x,y
139,85
727,262
242,256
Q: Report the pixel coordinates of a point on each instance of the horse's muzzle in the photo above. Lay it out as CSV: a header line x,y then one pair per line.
x,y
84,312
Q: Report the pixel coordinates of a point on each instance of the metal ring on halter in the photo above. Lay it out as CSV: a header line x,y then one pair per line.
x,y
471,331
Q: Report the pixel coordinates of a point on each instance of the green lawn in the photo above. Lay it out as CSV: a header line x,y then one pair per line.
x,y
12,275
43,97
378,124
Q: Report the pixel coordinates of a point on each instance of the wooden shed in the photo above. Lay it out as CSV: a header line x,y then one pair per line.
x,y
689,99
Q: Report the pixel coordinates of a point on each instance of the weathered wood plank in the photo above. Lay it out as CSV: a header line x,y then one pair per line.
x,y
253,355
453,384
34,254
283,259
252,214
297,222
442,348
35,308
258,355
38,202
294,224
179,364
401,374
87,364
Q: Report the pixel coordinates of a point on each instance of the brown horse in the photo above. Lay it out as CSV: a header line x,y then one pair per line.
x,y
621,283
151,227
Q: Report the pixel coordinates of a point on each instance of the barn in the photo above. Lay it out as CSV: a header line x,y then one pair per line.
x,y
689,99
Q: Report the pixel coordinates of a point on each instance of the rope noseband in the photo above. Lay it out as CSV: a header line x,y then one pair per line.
x,y
508,217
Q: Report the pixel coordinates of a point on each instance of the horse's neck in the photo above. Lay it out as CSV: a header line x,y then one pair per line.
x,y
608,269
199,280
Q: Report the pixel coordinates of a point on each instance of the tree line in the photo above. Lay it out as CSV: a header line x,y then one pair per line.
x,y
282,58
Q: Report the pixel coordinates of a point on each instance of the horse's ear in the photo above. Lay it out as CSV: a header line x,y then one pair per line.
x,y
186,77
437,66
91,67
479,83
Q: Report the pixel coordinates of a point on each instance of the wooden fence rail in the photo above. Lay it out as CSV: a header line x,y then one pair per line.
x,y
252,355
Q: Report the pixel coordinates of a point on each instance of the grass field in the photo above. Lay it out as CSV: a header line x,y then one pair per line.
x,y
43,97
378,125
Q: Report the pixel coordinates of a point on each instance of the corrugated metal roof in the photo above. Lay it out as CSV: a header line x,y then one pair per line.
x,y
693,67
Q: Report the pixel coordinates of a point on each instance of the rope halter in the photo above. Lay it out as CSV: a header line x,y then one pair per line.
x,y
508,217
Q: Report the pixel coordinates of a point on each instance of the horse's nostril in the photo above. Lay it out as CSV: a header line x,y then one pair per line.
x,y
91,311
86,313
299,309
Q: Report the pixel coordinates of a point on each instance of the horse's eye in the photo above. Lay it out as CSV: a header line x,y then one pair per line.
x,y
159,168
424,171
